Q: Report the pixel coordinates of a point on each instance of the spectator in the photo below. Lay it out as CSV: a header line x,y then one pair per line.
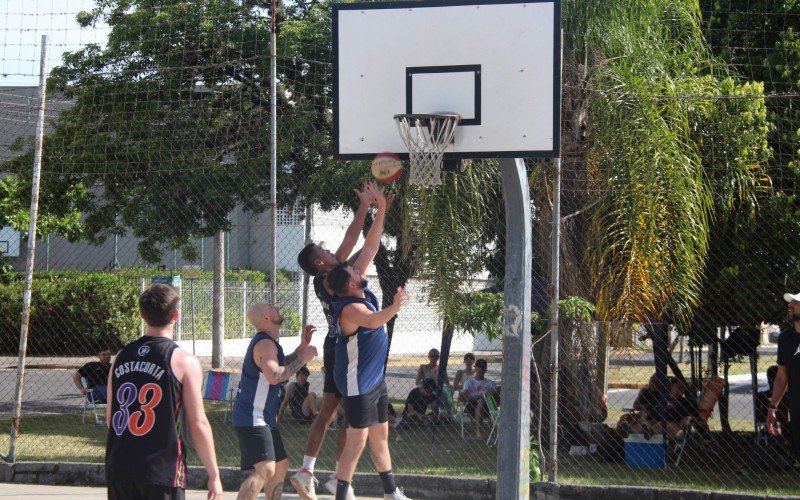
x,y
301,401
430,370
472,394
416,406
679,410
96,375
466,373
788,375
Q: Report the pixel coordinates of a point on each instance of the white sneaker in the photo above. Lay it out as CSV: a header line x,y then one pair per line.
x,y
331,484
397,495
303,482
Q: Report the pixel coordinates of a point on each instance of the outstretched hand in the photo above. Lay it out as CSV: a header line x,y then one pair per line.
x,y
365,196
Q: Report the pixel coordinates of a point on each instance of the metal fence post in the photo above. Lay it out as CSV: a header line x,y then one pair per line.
x,y
26,296
244,309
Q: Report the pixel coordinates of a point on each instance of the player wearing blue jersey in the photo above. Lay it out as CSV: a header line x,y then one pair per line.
x,y
257,400
317,261
361,349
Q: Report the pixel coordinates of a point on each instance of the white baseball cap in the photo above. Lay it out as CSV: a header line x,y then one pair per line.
x,y
788,297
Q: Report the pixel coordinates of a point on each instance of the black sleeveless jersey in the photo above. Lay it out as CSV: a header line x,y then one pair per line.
x,y
326,299
144,440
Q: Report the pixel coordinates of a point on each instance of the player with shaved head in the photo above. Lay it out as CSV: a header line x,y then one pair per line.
x,y
255,410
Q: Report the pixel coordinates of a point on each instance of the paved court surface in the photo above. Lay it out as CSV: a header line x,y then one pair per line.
x,y
36,491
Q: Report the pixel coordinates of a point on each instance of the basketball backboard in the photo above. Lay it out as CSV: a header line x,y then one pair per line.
x,y
495,63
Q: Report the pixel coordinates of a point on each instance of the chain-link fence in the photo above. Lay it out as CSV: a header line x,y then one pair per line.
x,y
680,221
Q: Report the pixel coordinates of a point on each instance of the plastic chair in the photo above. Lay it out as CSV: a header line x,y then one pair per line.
x,y
456,410
494,414
217,386
89,400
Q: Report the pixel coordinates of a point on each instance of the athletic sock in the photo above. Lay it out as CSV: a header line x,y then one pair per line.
x,y
342,487
309,462
387,480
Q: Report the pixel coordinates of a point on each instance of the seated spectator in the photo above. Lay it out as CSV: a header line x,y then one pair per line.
x,y
302,402
466,373
472,394
96,375
679,410
416,406
430,370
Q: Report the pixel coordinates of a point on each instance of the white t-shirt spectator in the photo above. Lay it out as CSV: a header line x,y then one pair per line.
x,y
477,388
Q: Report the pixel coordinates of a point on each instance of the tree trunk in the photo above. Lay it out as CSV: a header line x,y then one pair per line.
x,y
724,399
713,355
218,312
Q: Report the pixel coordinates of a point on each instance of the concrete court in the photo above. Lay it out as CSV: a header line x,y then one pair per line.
x,y
35,491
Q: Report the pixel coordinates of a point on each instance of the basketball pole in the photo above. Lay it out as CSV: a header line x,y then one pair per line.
x,y
513,464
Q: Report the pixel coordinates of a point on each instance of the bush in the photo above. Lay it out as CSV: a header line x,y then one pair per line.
x,y
72,313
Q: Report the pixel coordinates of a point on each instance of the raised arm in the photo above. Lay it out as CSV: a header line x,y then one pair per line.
x,y
365,198
356,315
373,240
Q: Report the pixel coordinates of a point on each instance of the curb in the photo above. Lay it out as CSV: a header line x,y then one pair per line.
x,y
417,486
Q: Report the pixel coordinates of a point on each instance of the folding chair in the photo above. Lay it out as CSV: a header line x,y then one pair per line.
x,y
494,414
456,410
217,386
88,399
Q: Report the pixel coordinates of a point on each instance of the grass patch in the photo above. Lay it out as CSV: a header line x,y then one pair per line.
x,y
640,373
721,466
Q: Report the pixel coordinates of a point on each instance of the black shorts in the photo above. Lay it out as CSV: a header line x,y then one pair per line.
x,y
136,491
328,358
260,444
367,409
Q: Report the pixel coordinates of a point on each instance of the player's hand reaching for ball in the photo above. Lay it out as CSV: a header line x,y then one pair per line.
x,y
401,297
365,196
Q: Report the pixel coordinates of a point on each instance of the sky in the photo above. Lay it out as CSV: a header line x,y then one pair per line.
x,y
22,24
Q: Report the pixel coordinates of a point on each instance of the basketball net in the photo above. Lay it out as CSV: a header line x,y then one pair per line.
x,y
427,136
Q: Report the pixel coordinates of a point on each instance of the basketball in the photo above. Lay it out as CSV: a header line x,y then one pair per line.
x,y
386,167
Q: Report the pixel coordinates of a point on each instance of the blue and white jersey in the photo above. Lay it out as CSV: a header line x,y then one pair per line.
x,y
359,357
257,401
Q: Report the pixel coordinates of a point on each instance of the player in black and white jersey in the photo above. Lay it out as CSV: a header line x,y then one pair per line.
x,y
317,261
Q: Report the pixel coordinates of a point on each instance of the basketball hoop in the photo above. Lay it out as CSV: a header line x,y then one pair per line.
x,y
427,136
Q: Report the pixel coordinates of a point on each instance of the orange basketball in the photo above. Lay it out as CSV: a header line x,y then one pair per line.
x,y
386,167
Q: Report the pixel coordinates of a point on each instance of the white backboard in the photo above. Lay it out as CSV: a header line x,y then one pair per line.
x,y
497,64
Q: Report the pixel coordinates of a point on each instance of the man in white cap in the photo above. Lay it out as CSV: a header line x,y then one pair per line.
x,y
788,376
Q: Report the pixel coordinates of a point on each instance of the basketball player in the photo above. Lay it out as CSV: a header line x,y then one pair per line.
x,y
361,349
317,261
360,353
151,381
255,409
